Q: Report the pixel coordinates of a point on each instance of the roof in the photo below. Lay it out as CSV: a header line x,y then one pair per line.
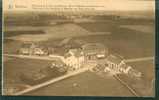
x,y
124,66
92,46
114,59
65,41
29,45
76,52
26,45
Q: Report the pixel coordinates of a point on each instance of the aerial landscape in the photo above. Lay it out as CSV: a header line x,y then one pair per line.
x,y
88,53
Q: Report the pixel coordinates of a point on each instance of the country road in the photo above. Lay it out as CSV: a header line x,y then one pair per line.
x,y
53,81
126,85
33,57
139,59
60,57
84,69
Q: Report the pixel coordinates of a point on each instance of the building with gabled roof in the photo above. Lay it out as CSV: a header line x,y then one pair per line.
x,y
74,58
93,51
116,65
31,49
115,59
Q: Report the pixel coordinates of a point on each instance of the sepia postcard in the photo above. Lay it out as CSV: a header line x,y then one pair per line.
x,y
79,48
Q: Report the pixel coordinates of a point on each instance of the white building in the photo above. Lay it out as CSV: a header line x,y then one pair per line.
x,y
74,58
38,51
31,49
116,65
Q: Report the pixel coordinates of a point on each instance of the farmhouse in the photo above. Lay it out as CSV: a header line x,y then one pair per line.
x,y
74,58
31,49
116,64
60,65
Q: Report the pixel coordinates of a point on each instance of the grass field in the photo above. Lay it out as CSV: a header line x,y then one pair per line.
x,y
14,67
123,41
144,86
141,28
53,32
129,42
87,84
22,32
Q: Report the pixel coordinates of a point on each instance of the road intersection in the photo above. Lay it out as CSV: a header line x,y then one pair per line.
x,y
84,69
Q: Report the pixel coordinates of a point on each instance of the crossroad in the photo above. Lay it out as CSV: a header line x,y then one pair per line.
x,y
74,73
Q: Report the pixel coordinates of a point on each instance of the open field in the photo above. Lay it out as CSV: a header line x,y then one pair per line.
x,y
146,67
55,32
130,42
11,46
84,81
88,84
146,85
14,67
127,43
141,28
119,40
22,32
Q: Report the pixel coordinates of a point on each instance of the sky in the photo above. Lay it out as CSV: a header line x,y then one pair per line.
x,y
107,5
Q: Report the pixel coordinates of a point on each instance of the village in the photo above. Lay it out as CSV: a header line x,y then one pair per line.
x,y
93,55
